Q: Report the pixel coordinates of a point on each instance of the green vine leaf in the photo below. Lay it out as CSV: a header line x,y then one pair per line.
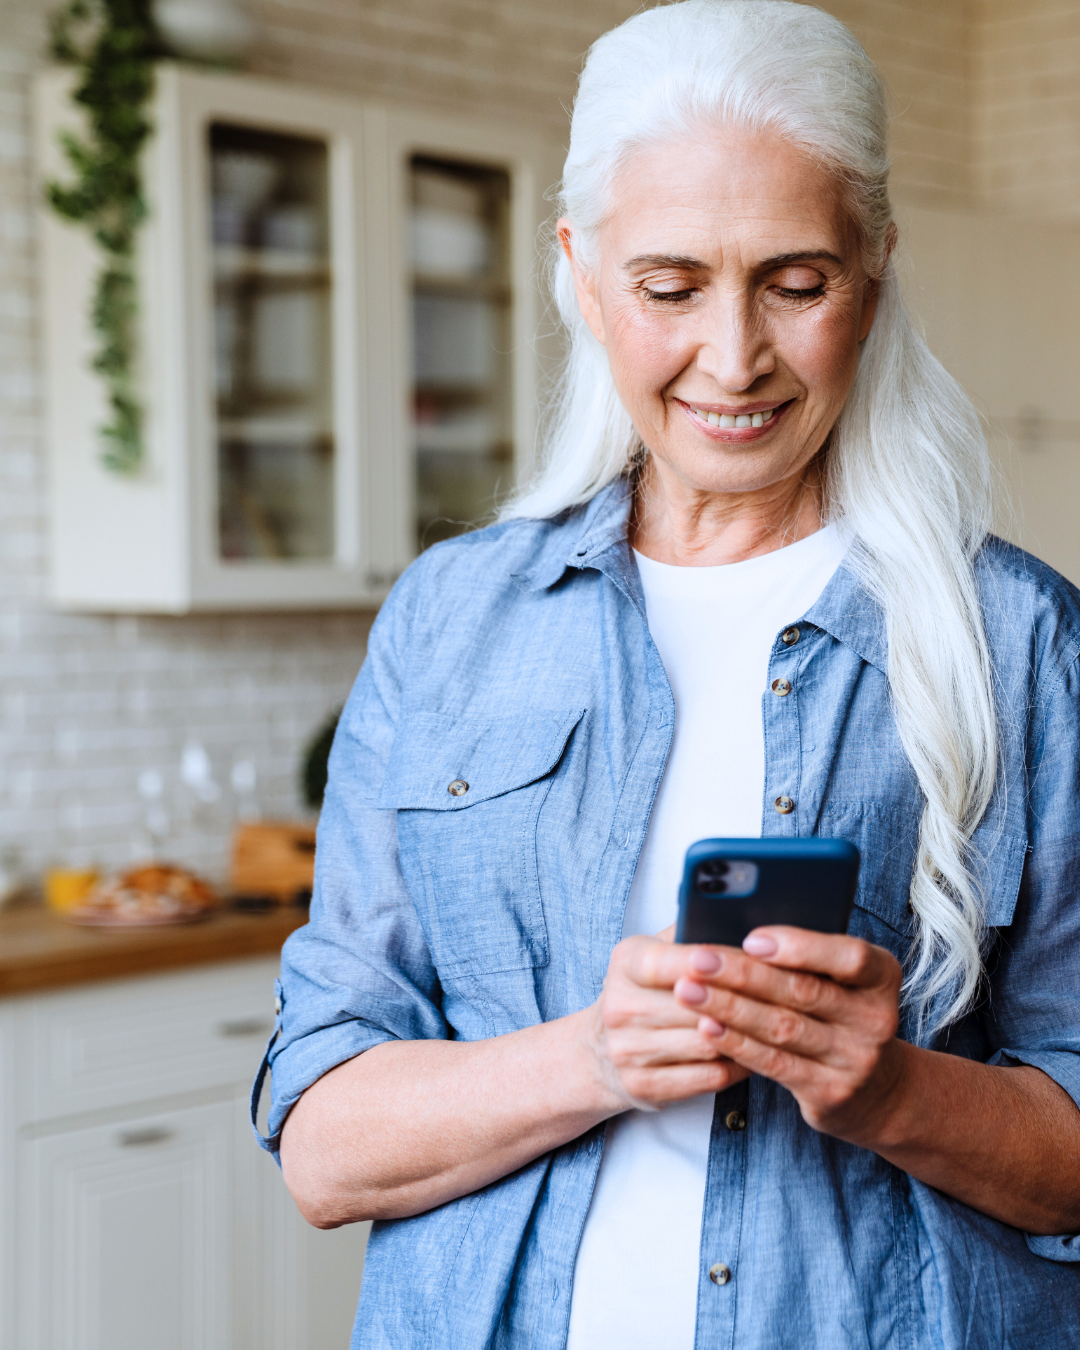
x,y
113,45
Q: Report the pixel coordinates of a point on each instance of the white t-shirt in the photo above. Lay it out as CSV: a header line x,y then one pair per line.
x,y
636,1278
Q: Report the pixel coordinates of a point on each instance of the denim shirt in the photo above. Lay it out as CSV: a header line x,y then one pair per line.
x,y
518,660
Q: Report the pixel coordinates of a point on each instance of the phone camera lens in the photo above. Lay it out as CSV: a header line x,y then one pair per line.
x,y
709,876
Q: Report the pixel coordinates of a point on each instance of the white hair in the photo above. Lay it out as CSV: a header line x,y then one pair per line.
x,y
907,472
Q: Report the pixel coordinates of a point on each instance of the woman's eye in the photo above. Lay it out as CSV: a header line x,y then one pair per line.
x,y
807,293
669,295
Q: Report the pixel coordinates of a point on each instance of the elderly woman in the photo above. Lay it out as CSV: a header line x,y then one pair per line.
x,y
751,593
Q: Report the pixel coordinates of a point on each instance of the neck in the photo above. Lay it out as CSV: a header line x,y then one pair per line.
x,y
674,522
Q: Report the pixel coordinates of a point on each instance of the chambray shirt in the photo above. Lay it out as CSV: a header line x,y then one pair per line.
x,y
518,660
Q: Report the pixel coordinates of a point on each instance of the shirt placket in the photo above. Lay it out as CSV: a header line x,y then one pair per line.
x,y
732,1128
780,722
721,1219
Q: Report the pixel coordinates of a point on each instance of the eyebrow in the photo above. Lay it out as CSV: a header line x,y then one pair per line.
x,y
696,264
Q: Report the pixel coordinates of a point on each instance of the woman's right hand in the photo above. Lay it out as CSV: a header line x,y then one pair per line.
x,y
650,1049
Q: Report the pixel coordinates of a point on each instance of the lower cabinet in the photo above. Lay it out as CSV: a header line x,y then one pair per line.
x,y
155,1223
128,1233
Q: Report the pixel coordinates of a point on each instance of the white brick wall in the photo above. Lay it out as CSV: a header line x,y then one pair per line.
x,y
1027,110
87,703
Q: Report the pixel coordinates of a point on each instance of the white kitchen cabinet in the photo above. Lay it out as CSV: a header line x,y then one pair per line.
x,y
136,1209
337,342
127,1233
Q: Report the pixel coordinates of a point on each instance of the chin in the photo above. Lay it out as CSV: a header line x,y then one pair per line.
x,y
729,469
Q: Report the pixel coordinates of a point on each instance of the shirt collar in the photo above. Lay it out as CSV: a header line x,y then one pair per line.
x,y
847,611
577,538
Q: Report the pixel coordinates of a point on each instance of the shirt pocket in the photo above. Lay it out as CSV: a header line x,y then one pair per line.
x,y
468,793
887,838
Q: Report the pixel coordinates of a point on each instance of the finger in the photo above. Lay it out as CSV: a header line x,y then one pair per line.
x,y
782,1066
628,1005
653,1049
652,1088
733,969
770,1024
666,934
847,960
653,964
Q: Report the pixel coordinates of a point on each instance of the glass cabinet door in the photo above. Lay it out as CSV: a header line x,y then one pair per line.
x,y
462,340
273,360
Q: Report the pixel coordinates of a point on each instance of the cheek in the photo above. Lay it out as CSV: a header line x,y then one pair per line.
x,y
825,353
645,354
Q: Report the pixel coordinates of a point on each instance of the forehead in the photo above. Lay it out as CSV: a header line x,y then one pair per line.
x,y
724,189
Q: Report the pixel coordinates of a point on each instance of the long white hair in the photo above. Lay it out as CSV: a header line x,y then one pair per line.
x,y
907,471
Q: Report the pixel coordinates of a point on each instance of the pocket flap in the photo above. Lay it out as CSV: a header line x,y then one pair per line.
x,y
432,752
997,864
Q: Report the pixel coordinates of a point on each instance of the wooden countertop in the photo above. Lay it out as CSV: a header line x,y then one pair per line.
x,y
39,950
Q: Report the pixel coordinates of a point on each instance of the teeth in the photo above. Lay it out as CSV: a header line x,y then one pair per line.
x,y
729,420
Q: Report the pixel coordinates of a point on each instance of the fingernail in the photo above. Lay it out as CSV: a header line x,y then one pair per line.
x,y
708,1027
704,961
759,944
690,992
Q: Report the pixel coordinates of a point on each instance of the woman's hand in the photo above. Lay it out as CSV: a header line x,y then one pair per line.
x,y
818,1015
651,1048
815,1012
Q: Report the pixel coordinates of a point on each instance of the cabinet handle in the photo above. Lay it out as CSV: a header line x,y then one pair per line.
x,y
245,1026
153,1134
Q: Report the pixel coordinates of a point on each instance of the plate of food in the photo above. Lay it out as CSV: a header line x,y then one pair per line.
x,y
146,896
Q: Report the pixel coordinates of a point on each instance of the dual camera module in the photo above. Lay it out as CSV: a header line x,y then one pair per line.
x,y
725,876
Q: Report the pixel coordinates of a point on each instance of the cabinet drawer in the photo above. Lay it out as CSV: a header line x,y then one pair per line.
x,y
125,1234
136,1040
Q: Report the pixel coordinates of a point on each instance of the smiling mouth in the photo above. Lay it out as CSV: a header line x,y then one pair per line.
x,y
747,421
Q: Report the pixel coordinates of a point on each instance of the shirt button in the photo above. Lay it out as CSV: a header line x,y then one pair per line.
x,y
719,1274
785,805
458,788
781,687
735,1120
277,1006
789,637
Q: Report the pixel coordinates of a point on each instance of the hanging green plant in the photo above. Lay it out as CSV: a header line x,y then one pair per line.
x,y
113,45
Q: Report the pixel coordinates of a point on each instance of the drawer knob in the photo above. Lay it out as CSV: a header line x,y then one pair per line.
x,y
153,1134
245,1026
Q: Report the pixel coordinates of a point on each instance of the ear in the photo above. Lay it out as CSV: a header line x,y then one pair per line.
x,y
584,284
873,287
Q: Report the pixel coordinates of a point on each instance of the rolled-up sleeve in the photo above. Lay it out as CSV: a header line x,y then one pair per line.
x,y
1034,1014
359,972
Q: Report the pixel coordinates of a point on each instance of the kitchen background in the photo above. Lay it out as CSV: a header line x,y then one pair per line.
x,y
134,1209
988,120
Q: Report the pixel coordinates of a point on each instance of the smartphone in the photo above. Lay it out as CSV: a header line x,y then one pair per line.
x,y
731,886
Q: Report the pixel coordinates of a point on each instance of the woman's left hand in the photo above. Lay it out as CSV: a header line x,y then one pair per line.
x,y
816,1013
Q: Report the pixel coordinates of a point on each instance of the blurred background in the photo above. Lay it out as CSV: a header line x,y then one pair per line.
x,y
323,351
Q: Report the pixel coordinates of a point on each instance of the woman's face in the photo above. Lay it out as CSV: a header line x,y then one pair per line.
x,y
731,297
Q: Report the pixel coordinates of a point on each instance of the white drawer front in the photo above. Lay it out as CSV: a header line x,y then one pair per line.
x,y
125,1239
136,1040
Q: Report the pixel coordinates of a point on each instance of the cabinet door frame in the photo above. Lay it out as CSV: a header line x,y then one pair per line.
x,y
191,101
532,163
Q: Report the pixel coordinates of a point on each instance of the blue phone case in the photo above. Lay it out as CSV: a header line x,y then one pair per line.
x,y
731,886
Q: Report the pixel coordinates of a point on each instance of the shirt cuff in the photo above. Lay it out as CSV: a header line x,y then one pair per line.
x,y
1063,1066
295,1066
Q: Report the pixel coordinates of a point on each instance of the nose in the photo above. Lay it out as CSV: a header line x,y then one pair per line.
x,y
735,348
